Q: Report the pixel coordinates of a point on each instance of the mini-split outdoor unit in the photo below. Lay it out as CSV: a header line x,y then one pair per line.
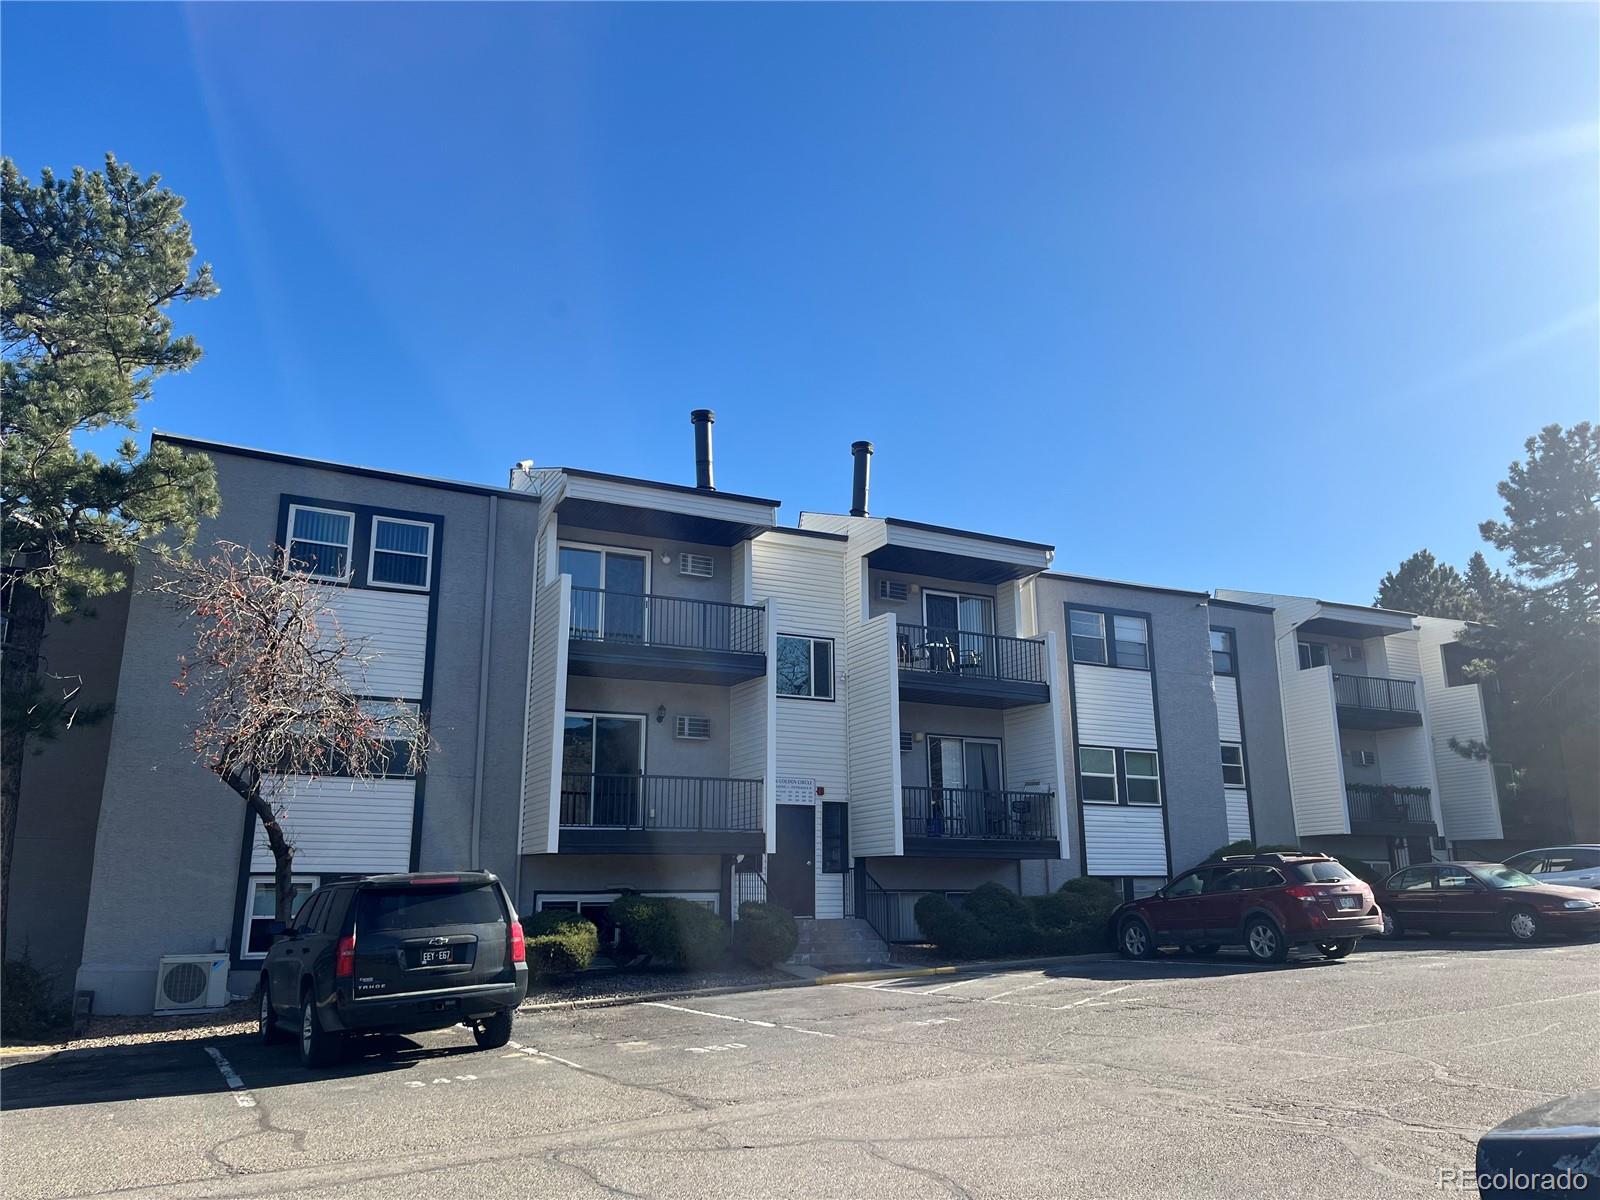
x,y
695,729
892,589
698,566
191,982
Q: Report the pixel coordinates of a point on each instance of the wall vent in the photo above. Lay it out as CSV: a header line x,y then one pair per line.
x,y
694,729
697,566
893,590
1364,758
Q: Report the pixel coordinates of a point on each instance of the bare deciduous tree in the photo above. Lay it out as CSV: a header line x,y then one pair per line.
x,y
276,684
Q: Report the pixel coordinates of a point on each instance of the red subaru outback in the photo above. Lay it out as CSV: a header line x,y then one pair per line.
x,y
1263,902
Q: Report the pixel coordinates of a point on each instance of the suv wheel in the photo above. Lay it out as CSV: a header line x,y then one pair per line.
x,y
1264,942
318,1047
1523,924
267,1031
1338,949
1134,939
493,1032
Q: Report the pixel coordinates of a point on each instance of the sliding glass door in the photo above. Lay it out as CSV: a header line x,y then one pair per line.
x,y
602,768
608,592
960,623
966,785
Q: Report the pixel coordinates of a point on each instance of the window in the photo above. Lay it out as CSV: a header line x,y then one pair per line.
x,y
402,553
1097,775
1221,652
320,540
1323,872
1232,764
1088,637
1143,774
1412,879
835,837
260,909
608,593
1454,879
1313,654
1186,885
805,667
1146,885
396,910
1456,660
1133,642
394,762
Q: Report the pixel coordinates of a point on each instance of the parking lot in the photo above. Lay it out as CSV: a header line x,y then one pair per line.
x,y
1097,1078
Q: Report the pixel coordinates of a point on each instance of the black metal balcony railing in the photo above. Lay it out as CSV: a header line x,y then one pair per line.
x,y
1375,692
983,655
1388,804
982,813
661,802
630,619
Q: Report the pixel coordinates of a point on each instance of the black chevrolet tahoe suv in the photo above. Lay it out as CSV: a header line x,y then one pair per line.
x,y
395,954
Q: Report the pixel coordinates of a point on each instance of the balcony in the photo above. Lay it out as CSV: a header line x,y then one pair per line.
x,y
629,636
1373,702
1388,810
660,814
978,823
979,670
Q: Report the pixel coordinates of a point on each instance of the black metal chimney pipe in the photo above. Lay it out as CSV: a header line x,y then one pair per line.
x,y
858,484
701,419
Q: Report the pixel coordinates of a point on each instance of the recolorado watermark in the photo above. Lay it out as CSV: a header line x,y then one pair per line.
x,y
1464,1179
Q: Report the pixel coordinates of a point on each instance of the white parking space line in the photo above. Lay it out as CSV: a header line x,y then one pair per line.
x,y
700,1012
960,982
231,1078
533,1052
1096,996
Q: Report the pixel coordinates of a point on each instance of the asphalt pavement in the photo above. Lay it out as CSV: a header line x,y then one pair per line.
x,y
1185,1077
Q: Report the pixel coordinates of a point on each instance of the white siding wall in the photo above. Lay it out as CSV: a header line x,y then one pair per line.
x,y
1035,756
1227,692
874,745
1467,795
393,627
1123,840
830,887
547,707
339,825
1114,707
753,752
1238,804
1316,774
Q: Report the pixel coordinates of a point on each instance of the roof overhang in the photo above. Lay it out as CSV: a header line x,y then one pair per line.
x,y
1353,621
913,548
609,502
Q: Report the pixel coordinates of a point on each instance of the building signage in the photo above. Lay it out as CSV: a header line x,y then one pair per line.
x,y
797,789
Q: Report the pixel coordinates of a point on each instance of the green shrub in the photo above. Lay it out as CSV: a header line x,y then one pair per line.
x,y
669,930
1074,919
33,1009
1004,917
559,943
765,934
952,929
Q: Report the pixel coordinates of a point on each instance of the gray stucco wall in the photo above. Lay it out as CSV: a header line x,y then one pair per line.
x,y
1261,711
1180,642
53,859
664,754
167,855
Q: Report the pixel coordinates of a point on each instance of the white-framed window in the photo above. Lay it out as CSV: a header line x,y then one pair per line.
x,y
260,909
1232,765
1088,630
805,667
1097,775
1142,771
1222,660
401,554
1133,642
1313,654
320,541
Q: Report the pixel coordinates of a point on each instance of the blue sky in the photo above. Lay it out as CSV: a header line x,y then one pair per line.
x,y
1249,296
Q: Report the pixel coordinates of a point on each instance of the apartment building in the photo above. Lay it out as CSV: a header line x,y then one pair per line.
x,y
436,577
637,685
1363,754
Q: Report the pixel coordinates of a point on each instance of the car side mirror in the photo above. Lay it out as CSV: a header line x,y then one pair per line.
x,y
277,931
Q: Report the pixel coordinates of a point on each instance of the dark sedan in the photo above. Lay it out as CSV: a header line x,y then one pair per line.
x,y
1477,897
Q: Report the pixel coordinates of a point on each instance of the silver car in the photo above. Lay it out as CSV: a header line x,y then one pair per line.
x,y
1578,866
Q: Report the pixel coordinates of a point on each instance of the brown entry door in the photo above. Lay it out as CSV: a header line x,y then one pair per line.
x,y
792,871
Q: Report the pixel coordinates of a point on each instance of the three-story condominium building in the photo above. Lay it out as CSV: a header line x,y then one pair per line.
x,y
1363,760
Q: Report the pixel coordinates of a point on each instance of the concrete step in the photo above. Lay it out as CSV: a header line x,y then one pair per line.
x,y
848,940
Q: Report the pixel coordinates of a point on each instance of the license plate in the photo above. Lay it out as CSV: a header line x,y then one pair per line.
x,y
1347,901
429,957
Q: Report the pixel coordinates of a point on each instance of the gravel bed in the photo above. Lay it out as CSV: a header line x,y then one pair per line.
x,y
239,1017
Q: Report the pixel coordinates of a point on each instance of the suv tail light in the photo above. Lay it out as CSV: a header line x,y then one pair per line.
x,y
344,963
519,947
1306,895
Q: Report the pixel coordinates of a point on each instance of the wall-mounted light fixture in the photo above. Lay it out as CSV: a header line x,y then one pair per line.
x,y
661,713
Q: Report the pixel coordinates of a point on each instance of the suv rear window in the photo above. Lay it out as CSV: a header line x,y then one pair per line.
x,y
410,907
1322,872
